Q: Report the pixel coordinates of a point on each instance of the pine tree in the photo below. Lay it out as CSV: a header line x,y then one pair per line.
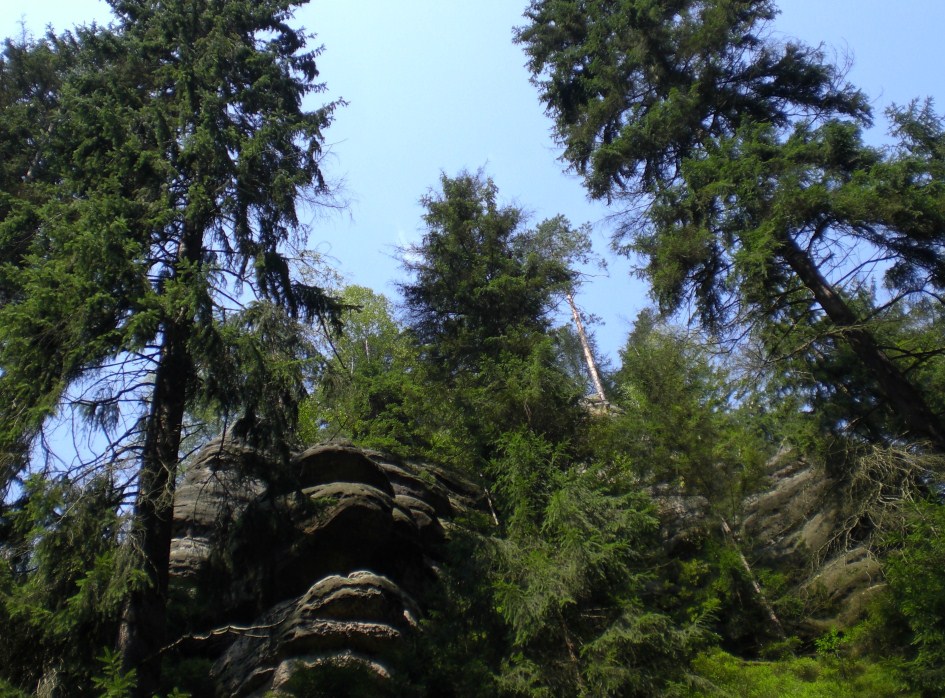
x,y
558,240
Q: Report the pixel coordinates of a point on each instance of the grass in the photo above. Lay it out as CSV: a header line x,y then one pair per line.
x,y
724,676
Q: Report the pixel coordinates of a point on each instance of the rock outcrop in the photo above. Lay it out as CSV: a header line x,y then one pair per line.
x,y
796,526
326,563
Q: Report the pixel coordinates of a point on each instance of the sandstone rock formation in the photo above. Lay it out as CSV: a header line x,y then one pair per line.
x,y
327,562
795,526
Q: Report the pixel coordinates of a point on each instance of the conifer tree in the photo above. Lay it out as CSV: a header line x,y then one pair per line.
x,y
370,388
158,191
477,291
563,559
557,239
479,305
748,161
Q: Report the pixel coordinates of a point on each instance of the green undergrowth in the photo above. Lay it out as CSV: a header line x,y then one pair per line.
x,y
725,676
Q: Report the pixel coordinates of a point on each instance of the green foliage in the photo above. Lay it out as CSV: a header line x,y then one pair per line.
x,y
556,240
560,582
681,425
265,363
571,579
756,180
832,648
113,683
917,586
176,175
817,376
148,254
149,172
570,357
637,86
62,576
370,388
477,290
9,691
475,360
722,675
187,676
463,638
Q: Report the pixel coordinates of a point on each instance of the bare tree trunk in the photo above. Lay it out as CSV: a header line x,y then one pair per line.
x,y
755,586
586,346
904,397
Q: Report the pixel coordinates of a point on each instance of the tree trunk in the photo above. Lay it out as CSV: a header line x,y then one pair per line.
x,y
903,396
572,655
755,586
142,630
586,346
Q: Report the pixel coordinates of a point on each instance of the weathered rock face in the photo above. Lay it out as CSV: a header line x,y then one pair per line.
x,y
685,520
794,526
794,518
329,563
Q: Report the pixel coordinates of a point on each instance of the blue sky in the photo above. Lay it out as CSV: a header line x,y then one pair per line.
x,y
437,85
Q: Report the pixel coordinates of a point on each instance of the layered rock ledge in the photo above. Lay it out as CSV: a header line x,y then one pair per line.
x,y
327,562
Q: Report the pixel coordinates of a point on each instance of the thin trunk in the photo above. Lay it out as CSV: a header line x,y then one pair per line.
x,y
904,397
586,346
756,588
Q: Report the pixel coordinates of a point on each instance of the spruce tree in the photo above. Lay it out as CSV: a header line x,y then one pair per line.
x,y
562,559
479,305
476,291
157,194
746,157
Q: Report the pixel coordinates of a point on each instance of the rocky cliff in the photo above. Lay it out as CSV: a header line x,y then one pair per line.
x,y
797,526
326,563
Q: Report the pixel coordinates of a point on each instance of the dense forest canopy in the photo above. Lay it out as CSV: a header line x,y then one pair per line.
x,y
155,286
